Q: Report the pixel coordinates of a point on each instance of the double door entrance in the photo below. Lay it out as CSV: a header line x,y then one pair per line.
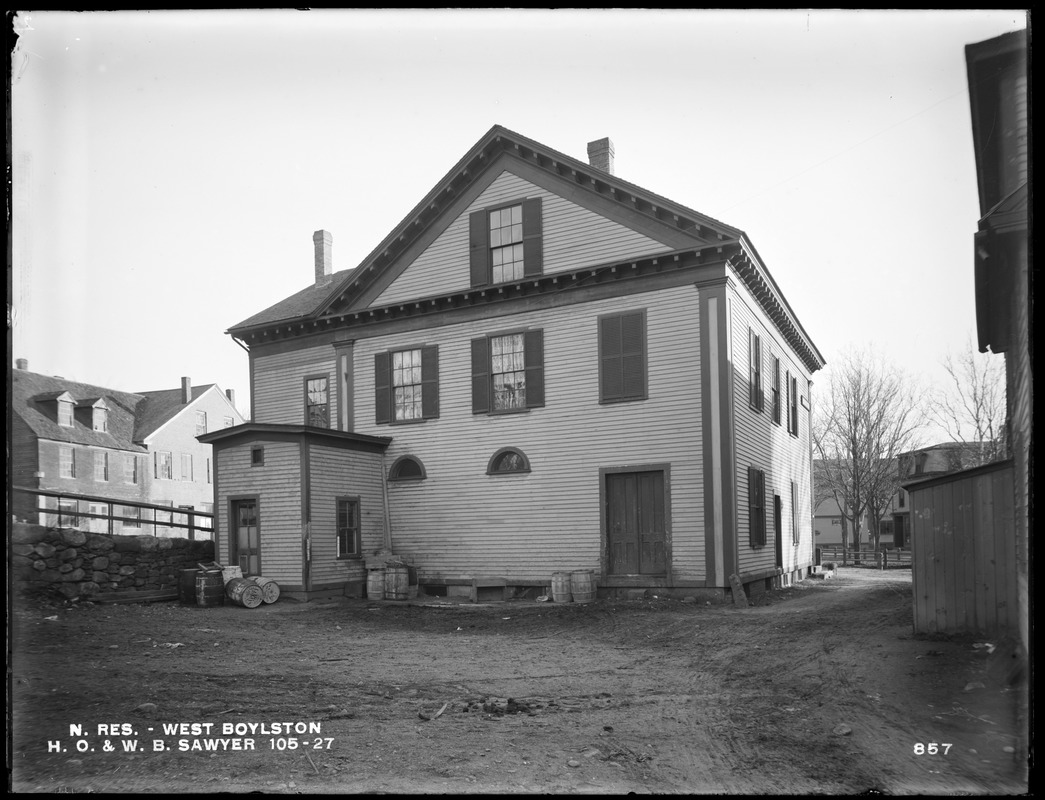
x,y
636,523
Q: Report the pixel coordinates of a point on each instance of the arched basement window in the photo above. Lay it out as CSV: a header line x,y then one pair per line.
x,y
508,461
407,468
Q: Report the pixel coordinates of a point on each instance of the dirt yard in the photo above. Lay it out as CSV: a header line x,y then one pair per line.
x,y
818,689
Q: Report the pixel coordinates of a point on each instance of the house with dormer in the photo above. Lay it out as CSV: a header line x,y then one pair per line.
x,y
543,368
94,445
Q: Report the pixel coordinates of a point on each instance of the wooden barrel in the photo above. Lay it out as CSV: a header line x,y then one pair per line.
x,y
397,582
187,586
582,584
210,588
269,589
561,592
244,592
375,584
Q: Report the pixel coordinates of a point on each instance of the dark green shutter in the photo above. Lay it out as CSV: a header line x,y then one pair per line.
x,y
533,344
382,388
430,382
480,376
611,381
479,247
633,354
533,237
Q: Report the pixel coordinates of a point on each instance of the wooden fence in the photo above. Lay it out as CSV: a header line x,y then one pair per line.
x,y
963,538
880,559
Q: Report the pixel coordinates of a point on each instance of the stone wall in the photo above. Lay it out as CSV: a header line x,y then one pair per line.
x,y
77,563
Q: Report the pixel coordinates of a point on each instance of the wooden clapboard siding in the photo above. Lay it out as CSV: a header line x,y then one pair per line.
x,y
277,485
963,545
460,522
334,473
573,237
279,383
761,443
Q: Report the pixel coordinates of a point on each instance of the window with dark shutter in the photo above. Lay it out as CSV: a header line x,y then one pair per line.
x,y
787,388
794,406
406,385
479,248
754,353
533,237
756,494
622,357
506,243
508,372
480,376
534,360
776,390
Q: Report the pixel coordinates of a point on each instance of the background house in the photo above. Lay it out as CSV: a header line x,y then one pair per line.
x,y
107,445
543,368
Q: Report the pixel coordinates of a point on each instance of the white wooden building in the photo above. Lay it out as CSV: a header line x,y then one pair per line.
x,y
542,368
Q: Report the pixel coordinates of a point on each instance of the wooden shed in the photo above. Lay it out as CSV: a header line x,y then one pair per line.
x,y
963,548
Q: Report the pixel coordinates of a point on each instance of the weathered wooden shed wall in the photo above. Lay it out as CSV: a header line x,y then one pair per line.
x,y
963,548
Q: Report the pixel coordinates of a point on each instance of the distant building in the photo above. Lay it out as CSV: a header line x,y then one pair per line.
x,y
141,447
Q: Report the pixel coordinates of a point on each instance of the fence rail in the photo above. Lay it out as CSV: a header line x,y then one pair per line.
x,y
882,559
198,524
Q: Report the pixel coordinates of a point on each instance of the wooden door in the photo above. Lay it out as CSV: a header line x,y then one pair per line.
x,y
635,521
246,540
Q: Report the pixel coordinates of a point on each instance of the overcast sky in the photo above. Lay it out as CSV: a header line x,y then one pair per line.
x,y
169,168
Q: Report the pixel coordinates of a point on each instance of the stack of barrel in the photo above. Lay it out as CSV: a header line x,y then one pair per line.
x,y
577,586
209,586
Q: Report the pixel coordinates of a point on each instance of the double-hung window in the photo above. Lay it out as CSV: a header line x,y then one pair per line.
x,y
348,532
163,465
505,243
754,353
201,423
776,390
622,357
186,466
65,413
406,385
792,404
131,469
66,462
508,372
101,466
756,504
317,401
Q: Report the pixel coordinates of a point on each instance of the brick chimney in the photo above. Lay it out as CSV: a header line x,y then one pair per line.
x,y
231,394
600,155
324,262
22,363
186,390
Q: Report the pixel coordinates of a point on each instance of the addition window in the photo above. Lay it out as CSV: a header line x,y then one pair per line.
x,y
407,468
163,464
317,403
348,533
754,353
406,385
505,243
622,357
65,413
66,462
508,372
508,461
201,423
101,466
756,505
776,390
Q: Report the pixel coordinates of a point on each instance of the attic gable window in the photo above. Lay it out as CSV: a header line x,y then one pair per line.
x,y
65,413
505,242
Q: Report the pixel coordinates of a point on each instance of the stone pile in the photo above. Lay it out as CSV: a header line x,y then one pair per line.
x,y
81,564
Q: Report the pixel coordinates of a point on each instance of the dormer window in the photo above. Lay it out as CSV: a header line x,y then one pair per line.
x,y
101,419
65,413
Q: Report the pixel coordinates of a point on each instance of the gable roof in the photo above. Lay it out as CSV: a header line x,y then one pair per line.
x,y
692,232
33,399
159,408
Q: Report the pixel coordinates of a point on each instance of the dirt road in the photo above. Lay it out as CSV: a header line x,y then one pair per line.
x,y
821,688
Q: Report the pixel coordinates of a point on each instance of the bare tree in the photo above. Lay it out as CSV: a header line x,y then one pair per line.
x,y
871,413
971,407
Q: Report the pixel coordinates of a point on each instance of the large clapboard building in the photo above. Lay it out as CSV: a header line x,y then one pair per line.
x,y
542,368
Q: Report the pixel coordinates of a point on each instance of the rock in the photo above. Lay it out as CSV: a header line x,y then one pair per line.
x,y
1008,749
972,685
44,550
573,763
841,729
147,708
72,537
